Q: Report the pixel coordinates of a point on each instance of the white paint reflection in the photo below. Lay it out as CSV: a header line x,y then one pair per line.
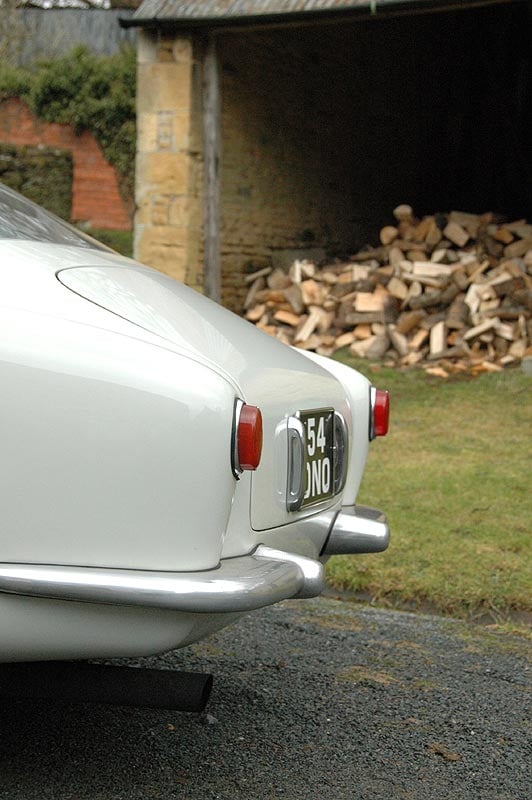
x,y
153,303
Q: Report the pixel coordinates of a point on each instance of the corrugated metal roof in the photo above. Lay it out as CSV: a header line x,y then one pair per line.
x,y
218,12
228,9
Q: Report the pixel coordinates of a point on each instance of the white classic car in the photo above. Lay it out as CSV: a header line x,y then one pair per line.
x,y
165,467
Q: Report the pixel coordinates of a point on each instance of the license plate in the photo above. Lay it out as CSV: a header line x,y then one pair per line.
x,y
319,441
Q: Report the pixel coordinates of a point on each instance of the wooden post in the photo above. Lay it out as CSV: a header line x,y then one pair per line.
x,y
211,155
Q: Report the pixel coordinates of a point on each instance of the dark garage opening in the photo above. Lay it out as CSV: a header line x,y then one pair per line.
x,y
326,128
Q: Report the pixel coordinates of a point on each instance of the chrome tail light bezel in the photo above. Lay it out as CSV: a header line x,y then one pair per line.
x,y
373,395
238,438
235,463
341,452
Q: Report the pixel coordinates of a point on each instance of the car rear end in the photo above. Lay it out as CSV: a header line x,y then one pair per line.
x,y
317,417
180,467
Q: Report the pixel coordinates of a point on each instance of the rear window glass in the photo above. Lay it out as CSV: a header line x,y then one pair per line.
x,y
22,219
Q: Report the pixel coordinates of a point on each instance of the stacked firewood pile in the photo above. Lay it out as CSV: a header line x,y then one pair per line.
x,y
450,292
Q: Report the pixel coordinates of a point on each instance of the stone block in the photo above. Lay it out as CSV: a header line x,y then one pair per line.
x,y
164,173
165,48
182,50
164,131
181,129
162,87
147,132
142,214
194,268
160,210
179,211
160,248
146,46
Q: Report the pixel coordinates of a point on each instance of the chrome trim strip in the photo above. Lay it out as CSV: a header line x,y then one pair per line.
x,y
296,463
235,464
339,480
372,400
357,529
237,585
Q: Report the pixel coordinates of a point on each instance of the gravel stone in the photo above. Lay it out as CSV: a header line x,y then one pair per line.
x,y
320,699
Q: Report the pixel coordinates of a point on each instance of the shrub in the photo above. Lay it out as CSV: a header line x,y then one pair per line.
x,y
14,82
89,92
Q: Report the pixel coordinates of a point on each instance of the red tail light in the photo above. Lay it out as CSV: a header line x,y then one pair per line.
x,y
248,438
380,413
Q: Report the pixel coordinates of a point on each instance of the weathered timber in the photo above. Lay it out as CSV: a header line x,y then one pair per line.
x,y
211,153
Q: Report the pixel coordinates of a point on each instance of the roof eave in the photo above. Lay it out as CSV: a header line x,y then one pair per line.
x,y
245,21
369,9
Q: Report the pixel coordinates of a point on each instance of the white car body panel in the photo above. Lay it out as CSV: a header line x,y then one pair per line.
x,y
76,433
41,629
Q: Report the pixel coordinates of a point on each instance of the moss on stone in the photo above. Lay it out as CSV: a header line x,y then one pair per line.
x,y
33,170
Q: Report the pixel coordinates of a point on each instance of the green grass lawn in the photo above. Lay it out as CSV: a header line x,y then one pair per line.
x,y
121,241
454,476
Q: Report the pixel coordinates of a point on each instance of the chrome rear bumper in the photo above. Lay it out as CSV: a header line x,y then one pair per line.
x,y
241,584
236,585
357,529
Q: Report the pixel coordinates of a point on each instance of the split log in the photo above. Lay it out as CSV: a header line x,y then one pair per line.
x,y
364,301
278,280
259,274
307,326
344,340
409,320
403,213
287,318
255,287
456,234
438,338
255,313
295,298
398,340
397,288
518,249
419,339
388,234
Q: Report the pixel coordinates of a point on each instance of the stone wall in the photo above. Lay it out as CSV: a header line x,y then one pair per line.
x,y
96,198
32,170
287,159
168,223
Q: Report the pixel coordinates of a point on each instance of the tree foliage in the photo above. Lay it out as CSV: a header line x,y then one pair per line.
x,y
14,82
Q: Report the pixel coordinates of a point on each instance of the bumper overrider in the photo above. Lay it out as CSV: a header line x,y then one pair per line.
x,y
238,584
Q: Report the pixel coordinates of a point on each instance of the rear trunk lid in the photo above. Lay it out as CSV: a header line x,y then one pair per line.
x,y
264,372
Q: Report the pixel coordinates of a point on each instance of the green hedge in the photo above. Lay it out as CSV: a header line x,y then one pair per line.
x,y
32,170
89,92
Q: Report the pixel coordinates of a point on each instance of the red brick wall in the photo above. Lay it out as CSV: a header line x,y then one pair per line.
x,y
96,198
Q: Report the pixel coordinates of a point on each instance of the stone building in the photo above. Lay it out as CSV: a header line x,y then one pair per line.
x,y
270,129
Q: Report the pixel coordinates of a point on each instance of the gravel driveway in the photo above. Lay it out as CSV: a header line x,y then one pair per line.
x,y
320,699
